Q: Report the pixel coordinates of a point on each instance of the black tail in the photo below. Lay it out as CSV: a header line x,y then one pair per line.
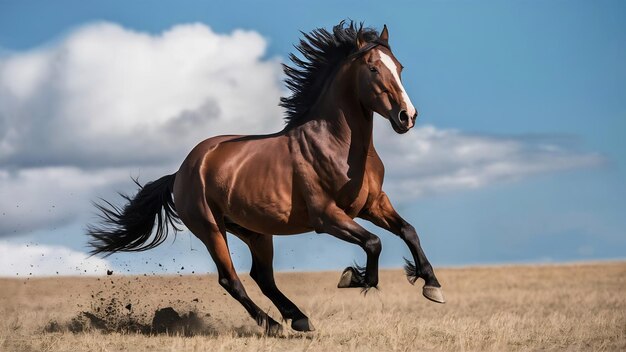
x,y
129,229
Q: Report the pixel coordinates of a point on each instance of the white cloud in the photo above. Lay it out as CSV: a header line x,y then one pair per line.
x,y
430,160
24,260
32,199
106,95
78,116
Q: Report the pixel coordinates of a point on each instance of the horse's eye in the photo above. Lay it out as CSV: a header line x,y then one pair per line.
x,y
373,69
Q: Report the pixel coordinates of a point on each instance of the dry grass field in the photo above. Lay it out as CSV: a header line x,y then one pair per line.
x,y
520,308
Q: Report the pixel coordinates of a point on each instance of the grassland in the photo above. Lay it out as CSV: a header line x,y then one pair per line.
x,y
520,308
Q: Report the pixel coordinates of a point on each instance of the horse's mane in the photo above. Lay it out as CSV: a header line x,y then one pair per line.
x,y
322,51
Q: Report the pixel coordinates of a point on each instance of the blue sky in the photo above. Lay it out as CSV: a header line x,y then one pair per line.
x,y
535,75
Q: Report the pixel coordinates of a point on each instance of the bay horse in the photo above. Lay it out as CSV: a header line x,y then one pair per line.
x,y
317,174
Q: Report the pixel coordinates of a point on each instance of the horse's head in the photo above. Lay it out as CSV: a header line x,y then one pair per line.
x,y
379,84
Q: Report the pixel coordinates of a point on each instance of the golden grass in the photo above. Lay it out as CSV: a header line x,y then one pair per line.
x,y
521,308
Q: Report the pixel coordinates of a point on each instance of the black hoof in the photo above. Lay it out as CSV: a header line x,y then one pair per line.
x,y
302,324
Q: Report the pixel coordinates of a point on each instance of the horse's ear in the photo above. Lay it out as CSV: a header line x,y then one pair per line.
x,y
360,39
384,34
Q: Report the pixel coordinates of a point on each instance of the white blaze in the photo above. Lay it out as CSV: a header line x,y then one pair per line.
x,y
391,65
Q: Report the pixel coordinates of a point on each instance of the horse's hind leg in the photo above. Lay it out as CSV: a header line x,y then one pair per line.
x,y
214,238
262,271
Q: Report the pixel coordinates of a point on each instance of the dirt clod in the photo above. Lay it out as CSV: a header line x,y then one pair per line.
x,y
109,320
167,320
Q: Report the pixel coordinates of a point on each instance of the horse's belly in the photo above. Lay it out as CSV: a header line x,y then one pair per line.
x,y
268,213
264,205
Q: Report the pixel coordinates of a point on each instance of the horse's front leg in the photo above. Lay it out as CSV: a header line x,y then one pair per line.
x,y
382,214
337,223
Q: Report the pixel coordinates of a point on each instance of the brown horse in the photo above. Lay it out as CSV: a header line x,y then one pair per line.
x,y
317,174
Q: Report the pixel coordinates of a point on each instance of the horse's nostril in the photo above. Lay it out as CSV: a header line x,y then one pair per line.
x,y
403,116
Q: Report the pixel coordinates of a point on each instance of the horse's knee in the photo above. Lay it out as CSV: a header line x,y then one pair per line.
x,y
408,233
373,245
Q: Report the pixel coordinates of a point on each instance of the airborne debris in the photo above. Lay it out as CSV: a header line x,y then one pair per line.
x,y
165,321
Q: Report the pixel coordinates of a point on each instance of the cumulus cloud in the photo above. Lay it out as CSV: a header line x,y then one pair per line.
x,y
106,95
80,115
19,260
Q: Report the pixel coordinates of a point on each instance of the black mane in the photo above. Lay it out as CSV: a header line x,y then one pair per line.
x,y
322,51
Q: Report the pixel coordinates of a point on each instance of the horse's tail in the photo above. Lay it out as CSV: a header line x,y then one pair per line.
x,y
130,229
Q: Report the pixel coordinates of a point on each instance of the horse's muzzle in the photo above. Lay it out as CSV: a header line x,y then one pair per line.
x,y
402,122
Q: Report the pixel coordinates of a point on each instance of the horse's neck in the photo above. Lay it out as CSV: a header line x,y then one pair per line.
x,y
349,125
340,129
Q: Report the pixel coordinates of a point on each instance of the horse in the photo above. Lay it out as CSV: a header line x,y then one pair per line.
x,y
317,174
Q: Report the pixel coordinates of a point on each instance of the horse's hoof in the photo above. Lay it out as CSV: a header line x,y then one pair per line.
x,y
346,278
433,293
302,324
